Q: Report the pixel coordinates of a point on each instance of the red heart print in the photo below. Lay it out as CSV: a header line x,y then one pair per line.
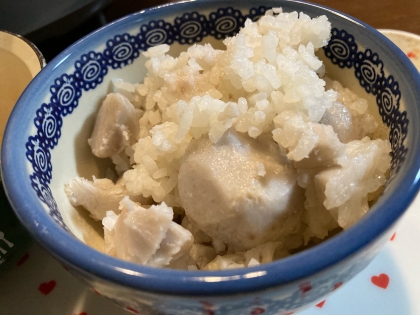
x,y
23,259
380,281
320,304
207,305
95,291
258,311
392,237
411,55
132,310
305,287
46,287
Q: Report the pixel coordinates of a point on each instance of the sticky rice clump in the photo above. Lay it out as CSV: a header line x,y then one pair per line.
x,y
269,67
268,80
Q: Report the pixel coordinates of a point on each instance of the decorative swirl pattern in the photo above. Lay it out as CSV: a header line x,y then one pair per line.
x,y
369,70
39,186
156,37
189,28
397,158
388,99
397,135
42,160
256,13
90,70
155,33
45,195
48,122
54,212
39,157
49,125
65,94
341,49
226,25
121,50
399,129
225,22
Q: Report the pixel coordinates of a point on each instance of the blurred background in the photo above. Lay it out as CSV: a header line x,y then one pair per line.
x,y
53,25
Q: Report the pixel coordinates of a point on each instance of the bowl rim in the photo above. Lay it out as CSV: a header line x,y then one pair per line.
x,y
90,262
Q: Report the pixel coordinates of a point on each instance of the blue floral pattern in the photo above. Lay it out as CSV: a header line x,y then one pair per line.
x,y
368,69
256,13
90,70
192,27
65,94
40,157
225,22
48,123
155,33
45,195
341,49
121,51
388,99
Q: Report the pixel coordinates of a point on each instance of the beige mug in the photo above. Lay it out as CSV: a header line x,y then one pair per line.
x,y
20,61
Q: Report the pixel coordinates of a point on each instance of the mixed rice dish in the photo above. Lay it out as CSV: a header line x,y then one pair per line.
x,y
233,158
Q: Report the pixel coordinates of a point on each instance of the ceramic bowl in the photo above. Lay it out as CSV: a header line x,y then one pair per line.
x,y
45,146
20,61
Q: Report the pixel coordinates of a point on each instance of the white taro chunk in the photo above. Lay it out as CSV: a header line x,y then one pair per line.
x,y
224,194
310,145
116,126
97,196
146,236
109,222
318,221
339,117
349,115
327,149
347,189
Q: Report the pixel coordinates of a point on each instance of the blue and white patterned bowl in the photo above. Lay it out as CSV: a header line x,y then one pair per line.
x,y
45,146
